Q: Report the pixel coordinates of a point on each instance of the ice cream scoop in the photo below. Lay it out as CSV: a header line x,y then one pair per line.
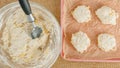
x,y
36,32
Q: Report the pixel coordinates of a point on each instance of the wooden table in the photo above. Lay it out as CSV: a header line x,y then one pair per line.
x,y
54,7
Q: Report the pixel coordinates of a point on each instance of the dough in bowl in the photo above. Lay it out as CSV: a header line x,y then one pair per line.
x,y
17,41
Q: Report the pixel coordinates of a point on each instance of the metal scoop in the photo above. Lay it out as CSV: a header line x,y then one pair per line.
x,y
36,32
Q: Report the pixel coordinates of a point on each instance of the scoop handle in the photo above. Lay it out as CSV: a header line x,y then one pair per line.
x,y
25,6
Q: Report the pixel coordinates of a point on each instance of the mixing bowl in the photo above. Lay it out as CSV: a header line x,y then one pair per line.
x,y
50,55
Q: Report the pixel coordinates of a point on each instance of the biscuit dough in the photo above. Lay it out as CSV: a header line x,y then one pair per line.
x,y
80,41
107,15
82,14
106,42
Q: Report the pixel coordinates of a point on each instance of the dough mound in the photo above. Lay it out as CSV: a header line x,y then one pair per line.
x,y
80,41
107,15
82,14
106,42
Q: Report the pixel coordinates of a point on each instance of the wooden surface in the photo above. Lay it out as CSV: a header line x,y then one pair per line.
x,y
54,7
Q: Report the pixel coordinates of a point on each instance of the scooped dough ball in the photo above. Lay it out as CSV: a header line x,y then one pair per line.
x,y
107,15
80,41
106,42
82,14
